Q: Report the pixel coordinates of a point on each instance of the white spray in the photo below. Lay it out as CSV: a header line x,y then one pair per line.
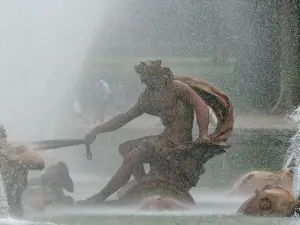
x,y
294,153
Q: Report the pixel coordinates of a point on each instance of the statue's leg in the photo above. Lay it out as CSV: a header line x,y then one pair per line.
x,y
124,148
187,162
135,157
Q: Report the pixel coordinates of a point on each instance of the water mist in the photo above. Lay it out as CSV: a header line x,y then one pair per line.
x,y
294,153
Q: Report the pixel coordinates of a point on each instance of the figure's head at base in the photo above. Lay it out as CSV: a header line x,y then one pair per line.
x,y
272,200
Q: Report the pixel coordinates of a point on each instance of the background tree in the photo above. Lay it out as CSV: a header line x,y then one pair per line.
x,y
261,35
289,61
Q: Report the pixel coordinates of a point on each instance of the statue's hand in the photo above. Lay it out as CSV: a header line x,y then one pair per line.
x,y
202,140
90,137
166,150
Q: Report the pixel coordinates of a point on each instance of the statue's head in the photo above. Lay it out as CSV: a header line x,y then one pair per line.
x,y
272,200
153,74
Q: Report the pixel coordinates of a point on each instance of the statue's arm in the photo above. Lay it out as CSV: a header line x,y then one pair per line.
x,y
123,118
187,94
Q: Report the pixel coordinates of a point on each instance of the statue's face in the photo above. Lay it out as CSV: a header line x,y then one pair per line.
x,y
150,73
271,200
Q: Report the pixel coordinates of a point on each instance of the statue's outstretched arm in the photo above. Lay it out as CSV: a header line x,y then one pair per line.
x,y
119,120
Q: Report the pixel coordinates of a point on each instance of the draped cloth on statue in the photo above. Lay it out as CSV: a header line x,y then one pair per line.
x,y
219,103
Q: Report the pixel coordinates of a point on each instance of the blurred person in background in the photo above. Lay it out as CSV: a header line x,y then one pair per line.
x,y
78,112
119,95
102,95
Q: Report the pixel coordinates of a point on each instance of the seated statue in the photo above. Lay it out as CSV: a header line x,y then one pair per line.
x,y
174,100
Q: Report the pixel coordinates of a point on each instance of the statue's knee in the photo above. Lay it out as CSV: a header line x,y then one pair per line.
x,y
124,148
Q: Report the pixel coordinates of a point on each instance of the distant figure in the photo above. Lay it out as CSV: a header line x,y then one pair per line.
x,y
78,112
102,95
119,93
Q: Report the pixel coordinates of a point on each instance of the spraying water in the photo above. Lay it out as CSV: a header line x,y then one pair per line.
x,y
294,153
3,200
42,46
